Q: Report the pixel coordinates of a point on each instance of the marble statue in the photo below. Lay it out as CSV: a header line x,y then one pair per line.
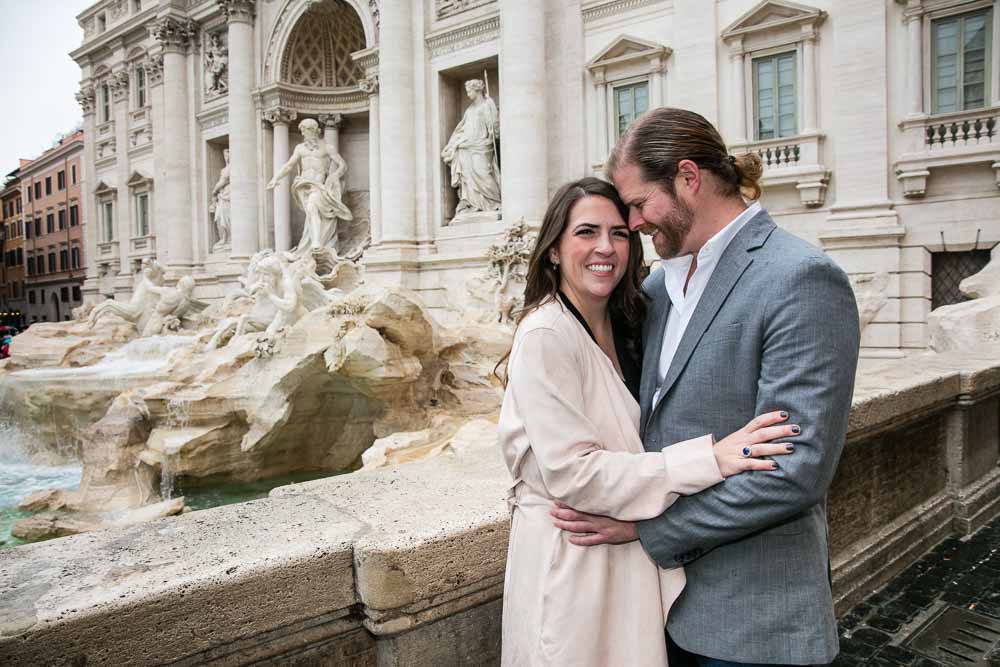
x,y
174,308
498,292
471,154
216,66
220,209
963,326
140,307
318,189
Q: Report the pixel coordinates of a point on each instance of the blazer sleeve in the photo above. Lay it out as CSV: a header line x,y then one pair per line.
x,y
546,386
808,362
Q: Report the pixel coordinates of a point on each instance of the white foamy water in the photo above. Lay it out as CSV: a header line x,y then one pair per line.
x,y
137,357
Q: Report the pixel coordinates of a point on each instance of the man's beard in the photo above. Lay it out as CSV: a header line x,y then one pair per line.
x,y
673,231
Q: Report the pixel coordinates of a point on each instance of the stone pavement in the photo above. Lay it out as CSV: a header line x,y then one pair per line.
x,y
962,574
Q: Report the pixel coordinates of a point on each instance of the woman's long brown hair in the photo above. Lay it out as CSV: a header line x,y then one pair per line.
x,y
626,303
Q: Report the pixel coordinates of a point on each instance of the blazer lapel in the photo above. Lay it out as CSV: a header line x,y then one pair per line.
x,y
655,325
732,264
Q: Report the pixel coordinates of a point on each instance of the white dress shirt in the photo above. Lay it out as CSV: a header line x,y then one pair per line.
x,y
683,304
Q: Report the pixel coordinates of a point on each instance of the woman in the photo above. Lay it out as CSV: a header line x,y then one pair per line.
x,y
569,433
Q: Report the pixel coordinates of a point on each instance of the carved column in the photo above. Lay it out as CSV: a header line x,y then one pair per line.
x,y
522,114
331,123
279,120
914,65
87,100
809,121
173,166
370,85
242,129
123,210
154,79
737,57
396,113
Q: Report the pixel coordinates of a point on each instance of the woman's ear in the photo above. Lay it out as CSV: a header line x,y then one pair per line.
x,y
554,256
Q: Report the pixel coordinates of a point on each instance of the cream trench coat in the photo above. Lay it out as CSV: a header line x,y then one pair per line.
x,y
569,431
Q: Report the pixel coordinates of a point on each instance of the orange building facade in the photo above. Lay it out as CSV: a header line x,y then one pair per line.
x,y
53,232
12,285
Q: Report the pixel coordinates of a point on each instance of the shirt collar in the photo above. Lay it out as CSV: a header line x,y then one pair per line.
x,y
675,270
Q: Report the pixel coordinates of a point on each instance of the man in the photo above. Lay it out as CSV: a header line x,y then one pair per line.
x,y
744,319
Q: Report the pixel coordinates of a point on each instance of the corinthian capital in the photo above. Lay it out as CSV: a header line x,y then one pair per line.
x,y
175,34
86,98
334,120
119,85
238,11
280,116
154,69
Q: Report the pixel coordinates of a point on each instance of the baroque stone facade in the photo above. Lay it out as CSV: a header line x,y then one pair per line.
x,y
886,181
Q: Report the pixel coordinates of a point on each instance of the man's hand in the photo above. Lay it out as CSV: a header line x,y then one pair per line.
x,y
592,529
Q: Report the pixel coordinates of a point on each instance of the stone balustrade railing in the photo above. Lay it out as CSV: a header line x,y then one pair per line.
x,y
778,155
405,565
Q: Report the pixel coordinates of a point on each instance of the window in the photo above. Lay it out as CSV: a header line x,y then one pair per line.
x,y
140,87
20,256
75,257
72,172
775,96
105,103
960,60
631,101
102,23
52,262
31,297
38,227
76,292
62,218
28,231
142,214
18,205
64,294
50,223
949,269
41,293
48,185
61,180
15,292
63,260
108,215
74,216
38,190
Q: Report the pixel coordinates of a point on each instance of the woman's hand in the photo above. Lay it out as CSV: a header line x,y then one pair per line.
x,y
740,451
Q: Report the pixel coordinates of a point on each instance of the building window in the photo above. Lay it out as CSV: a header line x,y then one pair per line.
x,y
961,57
61,213
28,232
15,292
63,260
41,293
20,256
74,216
102,23
775,96
136,6
48,185
18,205
142,214
38,227
631,101
72,174
31,297
76,292
75,257
140,87
108,218
52,262
949,269
105,103
61,180
50,223
38,190
64,294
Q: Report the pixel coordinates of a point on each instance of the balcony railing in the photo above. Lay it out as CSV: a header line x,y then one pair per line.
x,y
962,138
792,161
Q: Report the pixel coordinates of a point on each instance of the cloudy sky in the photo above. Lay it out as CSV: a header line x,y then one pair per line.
x,y
38,77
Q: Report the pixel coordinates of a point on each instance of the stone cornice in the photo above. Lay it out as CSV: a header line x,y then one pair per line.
x,y
612,7
96,42
472,34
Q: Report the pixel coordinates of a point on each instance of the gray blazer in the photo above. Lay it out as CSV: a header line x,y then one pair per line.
x,y
776,329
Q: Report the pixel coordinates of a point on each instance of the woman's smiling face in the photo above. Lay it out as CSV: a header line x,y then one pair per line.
x,y
592,252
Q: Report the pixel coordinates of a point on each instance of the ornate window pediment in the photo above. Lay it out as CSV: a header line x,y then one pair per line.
x,y
627,49
771,15
139,180
105,191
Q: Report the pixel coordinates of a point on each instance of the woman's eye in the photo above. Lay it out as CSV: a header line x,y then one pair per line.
x,y
621,234
583,231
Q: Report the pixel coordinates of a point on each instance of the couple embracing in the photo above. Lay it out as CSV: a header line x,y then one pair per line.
x,y
671,442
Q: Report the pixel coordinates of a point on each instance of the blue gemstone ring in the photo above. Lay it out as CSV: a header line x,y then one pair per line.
x,y
746,452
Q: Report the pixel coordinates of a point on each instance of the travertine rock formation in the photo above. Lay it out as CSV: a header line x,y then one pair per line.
x,y
964,325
